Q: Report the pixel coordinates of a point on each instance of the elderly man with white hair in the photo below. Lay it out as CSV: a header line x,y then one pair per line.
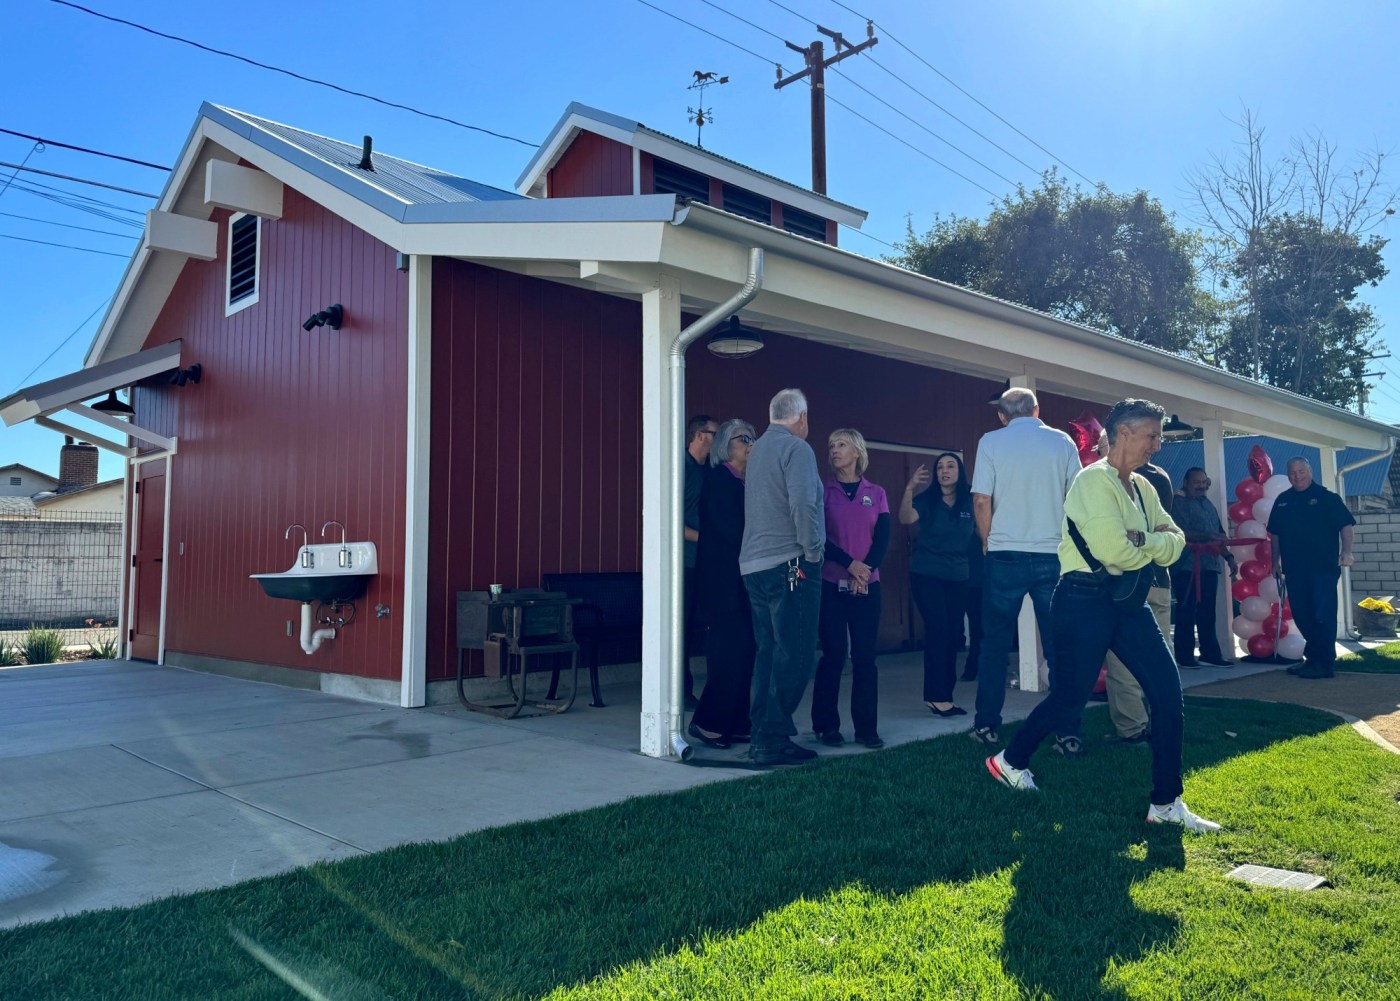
x,y
781,561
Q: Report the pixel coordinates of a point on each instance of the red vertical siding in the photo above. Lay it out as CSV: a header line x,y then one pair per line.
x,y
285,426
648,172
536,437
592,165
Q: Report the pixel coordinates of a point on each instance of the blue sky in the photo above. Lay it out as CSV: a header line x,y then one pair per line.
x,y
1133,93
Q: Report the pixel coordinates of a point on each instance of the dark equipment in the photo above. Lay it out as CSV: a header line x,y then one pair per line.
x,y
511,628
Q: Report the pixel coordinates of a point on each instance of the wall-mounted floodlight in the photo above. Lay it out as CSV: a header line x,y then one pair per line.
x,y
331,316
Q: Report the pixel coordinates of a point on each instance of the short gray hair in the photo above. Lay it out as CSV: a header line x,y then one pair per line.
x,y
1017,402
787,406
1297,458
1132,412
724,437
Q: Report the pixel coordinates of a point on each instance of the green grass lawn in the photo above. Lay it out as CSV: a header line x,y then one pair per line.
x,y
900,874
1381,660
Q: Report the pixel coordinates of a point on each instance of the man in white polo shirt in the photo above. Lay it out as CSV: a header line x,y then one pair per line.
x,y
1019,482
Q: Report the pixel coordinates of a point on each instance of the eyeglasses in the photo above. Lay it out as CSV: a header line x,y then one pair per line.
x,y
744,438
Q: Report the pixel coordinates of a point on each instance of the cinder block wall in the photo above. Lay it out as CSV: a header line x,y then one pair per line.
x,y
1377,552
59,573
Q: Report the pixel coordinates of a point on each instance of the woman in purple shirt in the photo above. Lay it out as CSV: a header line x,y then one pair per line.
x,y
857,536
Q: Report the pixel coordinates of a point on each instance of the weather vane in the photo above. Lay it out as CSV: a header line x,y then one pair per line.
x,y
702,115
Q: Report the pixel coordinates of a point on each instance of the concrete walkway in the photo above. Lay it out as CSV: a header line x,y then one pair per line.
x,y
125,782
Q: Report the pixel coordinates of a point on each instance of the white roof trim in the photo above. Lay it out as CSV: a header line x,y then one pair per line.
x,y
56,394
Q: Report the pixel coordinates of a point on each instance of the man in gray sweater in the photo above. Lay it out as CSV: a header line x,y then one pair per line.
x,y
781,561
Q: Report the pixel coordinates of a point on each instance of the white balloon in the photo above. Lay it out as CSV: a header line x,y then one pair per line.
x,y
1262,507
1291,647
1255,608
1251,529
1268,589
1245,628
1275,485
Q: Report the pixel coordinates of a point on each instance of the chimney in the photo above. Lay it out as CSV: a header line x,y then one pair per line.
x,y
77,465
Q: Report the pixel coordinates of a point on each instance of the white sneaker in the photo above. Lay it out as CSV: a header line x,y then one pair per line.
x,y
1013,778
1178,812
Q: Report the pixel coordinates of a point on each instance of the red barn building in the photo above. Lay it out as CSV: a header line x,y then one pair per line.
x,y
493,400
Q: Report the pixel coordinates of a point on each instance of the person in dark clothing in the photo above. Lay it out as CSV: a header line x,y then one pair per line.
x,y
857,538
1311,532
1196,577
940,570
722,718
975,558
699,435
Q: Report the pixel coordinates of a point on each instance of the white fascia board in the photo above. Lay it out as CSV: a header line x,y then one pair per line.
x,y
531,179
935,324
242,189
180,235
788,194
56,394
573,241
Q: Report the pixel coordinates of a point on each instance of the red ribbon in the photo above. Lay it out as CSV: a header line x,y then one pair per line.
x,y
1199,549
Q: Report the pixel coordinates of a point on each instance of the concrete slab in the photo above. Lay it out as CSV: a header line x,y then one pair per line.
x,y
37,785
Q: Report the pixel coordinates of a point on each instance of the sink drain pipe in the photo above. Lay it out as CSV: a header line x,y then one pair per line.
x,y
676,610
311,641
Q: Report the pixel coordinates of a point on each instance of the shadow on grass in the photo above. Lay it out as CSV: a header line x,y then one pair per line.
x,y
521,910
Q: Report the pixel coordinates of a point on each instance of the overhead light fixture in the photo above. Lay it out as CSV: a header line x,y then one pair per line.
x,y
1177,428
331,316
114,407
734,340
184,375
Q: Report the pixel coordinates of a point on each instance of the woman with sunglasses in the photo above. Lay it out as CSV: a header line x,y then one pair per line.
x,y
722,718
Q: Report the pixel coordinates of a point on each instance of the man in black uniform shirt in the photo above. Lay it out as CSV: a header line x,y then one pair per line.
x,y
1305,526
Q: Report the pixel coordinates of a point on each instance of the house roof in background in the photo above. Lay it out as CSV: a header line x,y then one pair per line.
x,y
1178,456
15,466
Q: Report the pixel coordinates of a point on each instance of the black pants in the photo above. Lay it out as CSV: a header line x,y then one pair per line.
x,y
1194,617
942,605
694,628
1313,597
856,616
974,632
729,655
1084,625
785,631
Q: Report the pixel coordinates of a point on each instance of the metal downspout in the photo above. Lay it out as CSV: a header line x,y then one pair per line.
x,y
676,370
1346,573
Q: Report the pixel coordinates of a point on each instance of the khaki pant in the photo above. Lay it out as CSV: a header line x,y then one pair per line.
x,y
1125,705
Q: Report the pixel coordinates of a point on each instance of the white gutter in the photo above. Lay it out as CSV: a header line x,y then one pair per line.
x,y
1388,451
676,371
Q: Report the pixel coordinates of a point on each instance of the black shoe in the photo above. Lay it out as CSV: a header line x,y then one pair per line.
x,y
1217,662
945,713
1069,747
737,738
1314,672
783,754
1294,669
1144,737
720,742
1188,662
832,738
873,741
985,735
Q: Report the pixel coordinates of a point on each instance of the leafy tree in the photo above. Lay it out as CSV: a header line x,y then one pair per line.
x,y
1110,261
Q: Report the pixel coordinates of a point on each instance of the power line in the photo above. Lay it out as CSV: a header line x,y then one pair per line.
x,y
78,180
36,148
28,185
62,342
705,31
65,246
83,149
756,27
859,232
886,32
295,76
82,205
68,225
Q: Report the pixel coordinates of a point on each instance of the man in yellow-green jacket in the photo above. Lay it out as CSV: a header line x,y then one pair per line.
x,y
1114,527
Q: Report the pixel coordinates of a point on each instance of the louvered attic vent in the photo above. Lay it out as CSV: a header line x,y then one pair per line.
x,y
748,204
243,259
804,223
668,178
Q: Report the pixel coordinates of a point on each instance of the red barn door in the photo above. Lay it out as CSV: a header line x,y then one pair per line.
x,y
147,556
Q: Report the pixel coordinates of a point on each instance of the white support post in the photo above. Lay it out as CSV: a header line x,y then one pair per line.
x,y
661,324
413,674
1033,671
1327,477
1213,442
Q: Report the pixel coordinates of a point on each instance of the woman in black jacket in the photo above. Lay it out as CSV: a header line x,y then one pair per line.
x,y
722,718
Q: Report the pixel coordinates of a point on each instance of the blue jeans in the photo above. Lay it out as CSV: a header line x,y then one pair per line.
x,y
1313,595
1008,576
785,630
1084,625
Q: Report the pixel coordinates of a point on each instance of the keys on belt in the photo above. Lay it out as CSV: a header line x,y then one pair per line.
x,y
794,574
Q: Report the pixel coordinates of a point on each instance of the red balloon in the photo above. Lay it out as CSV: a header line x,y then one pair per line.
x,y
1243,589
1264,553
1240,512
1249,491
1254,571
1287,610
1261,467
1261,646
1085,430
1102,684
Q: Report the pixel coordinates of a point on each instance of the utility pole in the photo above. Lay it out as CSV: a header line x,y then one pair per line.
x,y
702,115
816,69
1364,396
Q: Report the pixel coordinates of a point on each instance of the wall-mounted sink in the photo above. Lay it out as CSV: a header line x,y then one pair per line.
x,y
327,572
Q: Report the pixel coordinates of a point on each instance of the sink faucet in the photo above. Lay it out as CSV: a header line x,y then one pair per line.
x,y
344,548
305,550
